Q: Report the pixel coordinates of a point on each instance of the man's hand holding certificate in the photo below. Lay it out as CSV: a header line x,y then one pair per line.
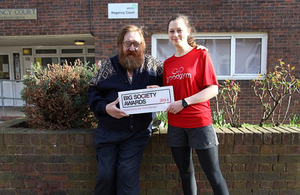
x,y
146,100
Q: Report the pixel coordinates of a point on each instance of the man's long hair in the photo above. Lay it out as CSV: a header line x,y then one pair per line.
x,y
131,28
131,60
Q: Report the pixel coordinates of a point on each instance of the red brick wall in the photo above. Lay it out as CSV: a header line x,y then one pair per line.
x,y
253,161
54,18
279,18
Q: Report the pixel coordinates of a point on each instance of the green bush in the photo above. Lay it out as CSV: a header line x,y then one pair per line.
x,y
294,119
218,118
56,96
160,121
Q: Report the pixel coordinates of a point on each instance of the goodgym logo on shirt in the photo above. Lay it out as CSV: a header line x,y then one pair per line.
x,y
178,74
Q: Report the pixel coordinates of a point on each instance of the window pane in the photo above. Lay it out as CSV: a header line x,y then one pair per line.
x,y
91,50
45,61
17,68
248,56
27,51
64,51
91,60
45,51
70,60
4,67
165,49
219,50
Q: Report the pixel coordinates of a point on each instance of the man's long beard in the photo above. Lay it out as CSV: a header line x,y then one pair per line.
x,y
131,60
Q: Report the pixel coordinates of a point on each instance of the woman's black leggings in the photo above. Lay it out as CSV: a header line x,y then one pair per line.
x,y
209,161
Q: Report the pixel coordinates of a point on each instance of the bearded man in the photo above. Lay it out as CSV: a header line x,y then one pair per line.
x,y
120,139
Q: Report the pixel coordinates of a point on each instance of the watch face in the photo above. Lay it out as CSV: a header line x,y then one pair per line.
x,y
184,103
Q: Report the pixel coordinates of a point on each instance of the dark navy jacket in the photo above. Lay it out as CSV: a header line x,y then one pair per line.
x,y
111,79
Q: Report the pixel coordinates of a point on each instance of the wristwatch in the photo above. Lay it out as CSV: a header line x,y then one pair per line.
x,y
184,103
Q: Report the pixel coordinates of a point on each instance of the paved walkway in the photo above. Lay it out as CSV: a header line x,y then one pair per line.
x,y
10,112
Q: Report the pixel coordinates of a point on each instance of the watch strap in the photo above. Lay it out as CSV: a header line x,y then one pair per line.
x,y
184,103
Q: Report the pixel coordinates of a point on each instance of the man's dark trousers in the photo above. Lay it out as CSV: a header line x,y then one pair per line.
x,y
119,154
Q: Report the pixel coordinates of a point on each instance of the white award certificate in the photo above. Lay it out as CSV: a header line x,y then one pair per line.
x,y
146,100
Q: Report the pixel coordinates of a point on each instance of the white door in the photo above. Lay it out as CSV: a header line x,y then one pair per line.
x,y
10,79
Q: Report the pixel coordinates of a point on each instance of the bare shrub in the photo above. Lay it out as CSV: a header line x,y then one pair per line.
x,y
56,96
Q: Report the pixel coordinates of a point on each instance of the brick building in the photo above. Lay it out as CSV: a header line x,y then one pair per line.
x,y
243,37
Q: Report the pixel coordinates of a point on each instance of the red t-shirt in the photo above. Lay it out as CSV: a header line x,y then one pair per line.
x,y
188,75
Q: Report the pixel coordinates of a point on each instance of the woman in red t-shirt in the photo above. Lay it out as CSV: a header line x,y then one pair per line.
x,y
190,71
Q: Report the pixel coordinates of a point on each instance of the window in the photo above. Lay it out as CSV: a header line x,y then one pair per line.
x,y
70,60
48,55
4,67
45,51
91,50
45,61
238,56
64,51
90,60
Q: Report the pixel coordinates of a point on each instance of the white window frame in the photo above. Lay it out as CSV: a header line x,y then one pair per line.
x,y
232,37
59,53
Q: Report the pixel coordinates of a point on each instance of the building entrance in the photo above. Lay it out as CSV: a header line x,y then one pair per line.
x,y
18,55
